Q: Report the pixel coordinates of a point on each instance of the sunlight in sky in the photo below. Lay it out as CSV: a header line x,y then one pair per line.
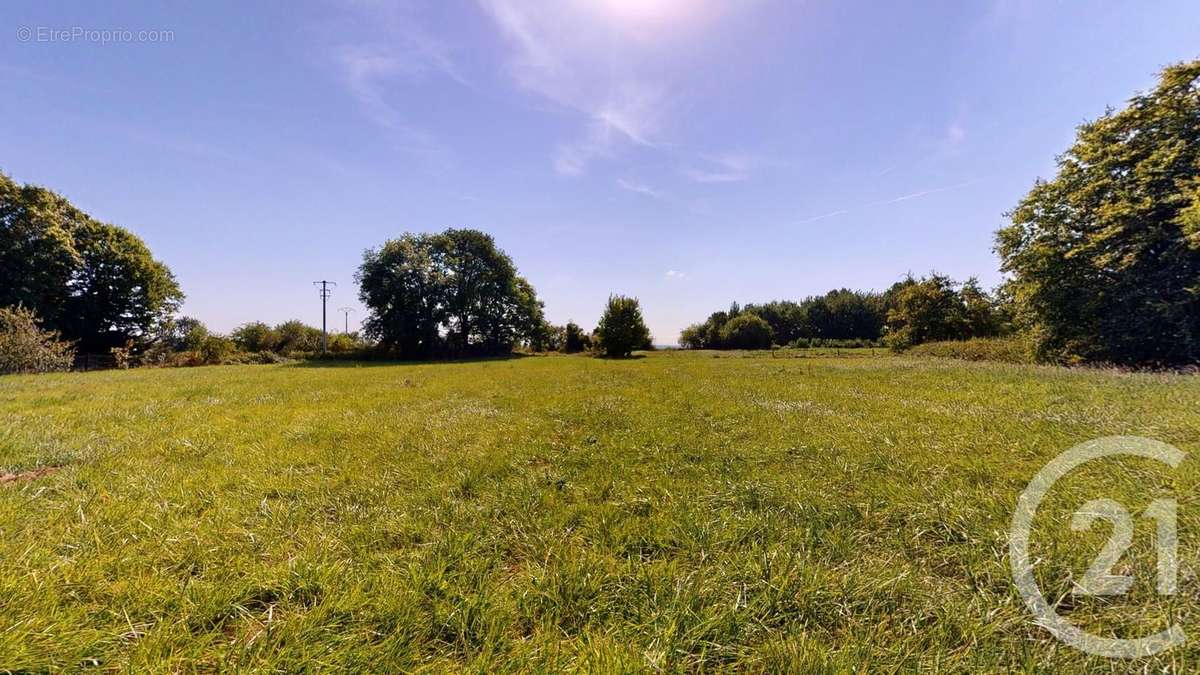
x,y
642,12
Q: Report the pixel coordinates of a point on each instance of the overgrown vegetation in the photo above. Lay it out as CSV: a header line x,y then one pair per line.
x,y
27,348
676,513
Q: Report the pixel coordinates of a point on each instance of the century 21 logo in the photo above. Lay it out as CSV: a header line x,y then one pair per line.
x,y
1099,579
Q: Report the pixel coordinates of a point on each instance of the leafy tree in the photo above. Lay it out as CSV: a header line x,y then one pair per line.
x,y
622,328
26,348
256,336
454,292
95,283
1105,257
403,289
747,331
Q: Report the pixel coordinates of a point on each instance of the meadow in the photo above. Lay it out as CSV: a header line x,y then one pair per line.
x,y
683,511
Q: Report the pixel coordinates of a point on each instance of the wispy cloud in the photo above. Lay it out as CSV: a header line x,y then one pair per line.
x,y
640,188
592,58
832,214
399,54
895,200
675,275
921,193
724,169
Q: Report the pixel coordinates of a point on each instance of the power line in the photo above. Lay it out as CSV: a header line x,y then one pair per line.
x,y
346,311
325,292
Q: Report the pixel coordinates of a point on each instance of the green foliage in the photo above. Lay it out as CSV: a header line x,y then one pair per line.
x,y
1105,258
1012,349
788,320
453,292
574,339
256,336
342,343
840,314
27,348
215,349
622,329
924,311
936,308
693,336
296,336
95,283
746,331
188,333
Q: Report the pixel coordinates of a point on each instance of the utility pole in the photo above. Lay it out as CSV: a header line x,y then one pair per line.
x,y
325,293
346,311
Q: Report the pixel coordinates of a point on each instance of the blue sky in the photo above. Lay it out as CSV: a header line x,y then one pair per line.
x,y
688,152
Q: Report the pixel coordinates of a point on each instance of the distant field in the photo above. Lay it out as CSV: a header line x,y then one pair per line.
x,y
682,511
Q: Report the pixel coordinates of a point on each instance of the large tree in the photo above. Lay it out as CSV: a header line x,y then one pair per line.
x,y
1105,257
96,283
452,292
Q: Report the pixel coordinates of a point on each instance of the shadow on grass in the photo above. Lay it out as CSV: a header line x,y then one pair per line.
x,y
370,363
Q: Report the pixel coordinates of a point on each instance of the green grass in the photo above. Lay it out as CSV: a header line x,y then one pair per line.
x,y
680,512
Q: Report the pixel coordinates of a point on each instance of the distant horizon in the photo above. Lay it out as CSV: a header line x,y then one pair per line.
x,y
687,152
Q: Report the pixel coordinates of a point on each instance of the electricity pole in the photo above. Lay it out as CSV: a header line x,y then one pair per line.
x,y
346,311
325,293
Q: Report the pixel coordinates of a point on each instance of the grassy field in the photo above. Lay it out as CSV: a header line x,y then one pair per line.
x,y
679,512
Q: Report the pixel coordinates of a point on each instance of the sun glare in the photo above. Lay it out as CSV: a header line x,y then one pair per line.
x,y
640,12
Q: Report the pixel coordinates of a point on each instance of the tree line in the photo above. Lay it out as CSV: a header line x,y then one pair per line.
x,y
1101,264
911,312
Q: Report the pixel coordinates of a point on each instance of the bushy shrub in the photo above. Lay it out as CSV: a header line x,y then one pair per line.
x,y
216,349
295,336
746,331
256,336
122,356
1004,350
26,348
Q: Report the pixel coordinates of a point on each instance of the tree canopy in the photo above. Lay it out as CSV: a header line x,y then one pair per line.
x,y
1105,257
450,293
95,283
